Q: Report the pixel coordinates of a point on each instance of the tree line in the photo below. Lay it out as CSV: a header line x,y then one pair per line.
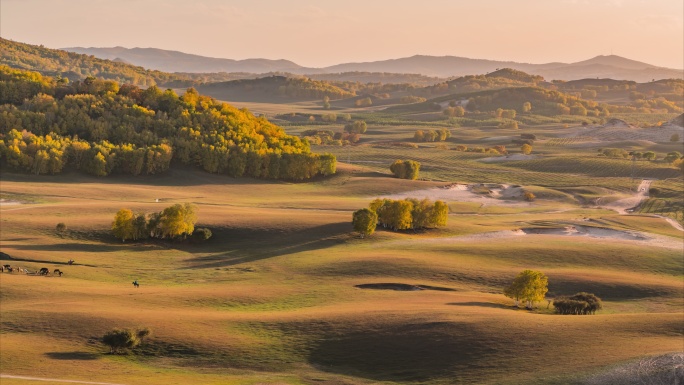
x,y
101,127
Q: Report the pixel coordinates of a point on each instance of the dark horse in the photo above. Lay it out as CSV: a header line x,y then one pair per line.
x,y
136,284
57,271
44,271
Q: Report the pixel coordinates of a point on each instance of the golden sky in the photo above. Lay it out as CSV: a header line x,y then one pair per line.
x,y
325,32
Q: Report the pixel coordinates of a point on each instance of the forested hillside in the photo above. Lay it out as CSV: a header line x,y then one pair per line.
x,y
100,127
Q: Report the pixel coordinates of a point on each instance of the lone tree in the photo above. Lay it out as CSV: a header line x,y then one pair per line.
x,y
529,286
61,228
526,149
405,169
119,340
365,221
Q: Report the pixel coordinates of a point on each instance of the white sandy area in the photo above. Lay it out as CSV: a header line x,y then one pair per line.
x,y
7,202
634,237
622,205
463,193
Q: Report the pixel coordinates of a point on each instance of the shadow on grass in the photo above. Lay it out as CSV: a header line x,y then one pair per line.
x,y
409,352
81,356
482,304
76,247
610,291
251,245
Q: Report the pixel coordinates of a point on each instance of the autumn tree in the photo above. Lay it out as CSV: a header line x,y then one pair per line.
x,y
405,169
529,286
178,220
357,127
526,149
365,221
122,227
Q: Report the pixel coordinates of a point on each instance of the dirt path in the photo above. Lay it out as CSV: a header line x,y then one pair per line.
x,y
27,378
622,205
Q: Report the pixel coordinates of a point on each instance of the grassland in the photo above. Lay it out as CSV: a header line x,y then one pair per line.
x,y
271,298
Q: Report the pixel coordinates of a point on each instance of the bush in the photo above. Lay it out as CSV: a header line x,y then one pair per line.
x,y
61,227
674,138
201,234
580,303
120,340
529,196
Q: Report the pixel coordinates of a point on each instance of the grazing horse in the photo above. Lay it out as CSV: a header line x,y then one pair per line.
x,y
57,271
6,267
2,269
136,284
44,271
10,270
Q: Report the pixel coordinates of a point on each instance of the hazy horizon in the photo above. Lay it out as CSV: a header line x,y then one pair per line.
x,y
312,34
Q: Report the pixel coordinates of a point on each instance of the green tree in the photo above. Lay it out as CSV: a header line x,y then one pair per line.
x,y
122,227
365,221
529,286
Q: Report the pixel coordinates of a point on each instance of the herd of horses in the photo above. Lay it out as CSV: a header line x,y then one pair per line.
x,y
43,271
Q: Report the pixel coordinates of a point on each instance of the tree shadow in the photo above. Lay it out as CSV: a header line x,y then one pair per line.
x,y
76,247
81,356
257,244
409,352
481,304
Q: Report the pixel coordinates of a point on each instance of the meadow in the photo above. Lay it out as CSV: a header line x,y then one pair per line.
x,y
272,297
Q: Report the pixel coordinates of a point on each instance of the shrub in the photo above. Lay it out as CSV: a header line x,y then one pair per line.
x,y
61,227
580,303
120,340
529,196
674,138
526,149
201,234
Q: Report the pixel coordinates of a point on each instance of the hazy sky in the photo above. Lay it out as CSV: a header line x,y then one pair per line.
x,y
325,32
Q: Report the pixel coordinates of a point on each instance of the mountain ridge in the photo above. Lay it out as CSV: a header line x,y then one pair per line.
x,y
609,66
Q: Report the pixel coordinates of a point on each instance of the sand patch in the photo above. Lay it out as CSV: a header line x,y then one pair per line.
x,y
491,194
8,202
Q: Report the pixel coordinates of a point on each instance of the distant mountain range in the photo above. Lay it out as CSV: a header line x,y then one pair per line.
x,y
612,66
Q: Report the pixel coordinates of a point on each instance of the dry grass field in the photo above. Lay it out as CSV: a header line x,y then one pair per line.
x,y
271,298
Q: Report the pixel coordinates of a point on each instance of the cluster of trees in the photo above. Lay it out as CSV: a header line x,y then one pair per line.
x,y
356,127
529,286
330,138
411,99
177,221
432,135
496,150
101,127
405,169
403,214
454,112
120,340
578,304
365,102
